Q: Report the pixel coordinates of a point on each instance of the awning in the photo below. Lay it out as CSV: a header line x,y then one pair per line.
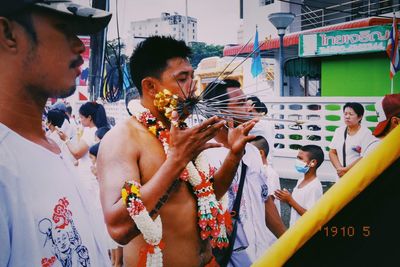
x,y
299,67
293,38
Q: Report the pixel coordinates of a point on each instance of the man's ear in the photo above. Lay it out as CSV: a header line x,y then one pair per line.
x,y
313,163
149,85
394,121
7,38
262,153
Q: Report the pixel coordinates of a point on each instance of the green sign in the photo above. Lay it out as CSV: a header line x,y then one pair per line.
x,y
361,40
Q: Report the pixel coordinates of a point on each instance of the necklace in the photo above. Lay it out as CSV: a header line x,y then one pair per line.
x,y
213,220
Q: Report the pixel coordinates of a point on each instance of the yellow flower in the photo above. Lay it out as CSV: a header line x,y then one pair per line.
x,y
153,129
124,194
135,190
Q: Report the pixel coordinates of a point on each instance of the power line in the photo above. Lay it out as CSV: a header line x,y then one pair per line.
x,y
329,9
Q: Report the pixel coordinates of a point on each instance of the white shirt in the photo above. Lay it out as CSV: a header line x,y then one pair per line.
x,y
86,175
273,182
255,193
61,144
45,216
355,144
306,197
375,142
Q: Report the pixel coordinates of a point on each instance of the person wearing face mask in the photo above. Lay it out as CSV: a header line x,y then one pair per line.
x,y
308,189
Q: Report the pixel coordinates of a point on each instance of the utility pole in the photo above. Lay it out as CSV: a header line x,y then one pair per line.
x,y
97,51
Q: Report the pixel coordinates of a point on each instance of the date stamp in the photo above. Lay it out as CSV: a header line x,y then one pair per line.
x,y
346,231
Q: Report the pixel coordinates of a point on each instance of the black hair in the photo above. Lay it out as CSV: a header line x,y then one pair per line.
x,y
100,132
217,91
56,117
151,55
94,149
258,105
261,143
315,152
24,18
96,111
69,109
357,107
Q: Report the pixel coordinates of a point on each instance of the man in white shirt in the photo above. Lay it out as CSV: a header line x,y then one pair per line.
x,y
257,210
45,216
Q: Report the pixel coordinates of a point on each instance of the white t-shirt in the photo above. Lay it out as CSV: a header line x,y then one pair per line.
x,y
372,146
273,183
86,175
68,129
45,216
252,205
355,144
64,149
306,197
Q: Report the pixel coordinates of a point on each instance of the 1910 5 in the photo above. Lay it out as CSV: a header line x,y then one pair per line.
x,y
348,231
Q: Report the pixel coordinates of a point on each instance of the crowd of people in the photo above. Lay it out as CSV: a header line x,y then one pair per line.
x,y
149,191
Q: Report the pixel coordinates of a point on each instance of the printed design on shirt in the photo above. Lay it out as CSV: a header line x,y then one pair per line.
x,y
232,192
264,192
48,262
356,149
64,240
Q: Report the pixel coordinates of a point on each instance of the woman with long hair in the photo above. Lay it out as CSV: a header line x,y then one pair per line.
x,y
92,116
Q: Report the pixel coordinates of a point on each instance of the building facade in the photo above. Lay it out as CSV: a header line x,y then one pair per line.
x,y
312,15
175,25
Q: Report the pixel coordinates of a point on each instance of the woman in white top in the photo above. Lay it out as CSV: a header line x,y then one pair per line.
x,y
349,142
92,116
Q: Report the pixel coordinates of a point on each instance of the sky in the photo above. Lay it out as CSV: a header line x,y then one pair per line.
x,y
217,20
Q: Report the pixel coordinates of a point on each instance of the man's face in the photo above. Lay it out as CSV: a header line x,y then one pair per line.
x,y
52,64
177,77
306,158
238,105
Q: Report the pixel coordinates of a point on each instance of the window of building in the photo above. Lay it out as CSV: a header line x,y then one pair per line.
x,y
156,25
156,31
193,24
174,29
193,30
193,37
266,2
183,26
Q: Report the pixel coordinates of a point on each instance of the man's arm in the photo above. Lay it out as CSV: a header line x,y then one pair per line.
x,y
118,163
284,195
272,219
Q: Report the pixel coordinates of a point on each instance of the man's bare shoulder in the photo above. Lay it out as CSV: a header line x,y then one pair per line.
x,y
125,136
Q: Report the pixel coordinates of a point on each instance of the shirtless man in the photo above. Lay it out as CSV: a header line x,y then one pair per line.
x,y
130,151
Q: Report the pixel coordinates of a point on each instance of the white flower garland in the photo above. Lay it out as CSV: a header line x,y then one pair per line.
x,y
212,216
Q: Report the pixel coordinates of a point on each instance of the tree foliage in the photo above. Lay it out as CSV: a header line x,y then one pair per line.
x,y
202,50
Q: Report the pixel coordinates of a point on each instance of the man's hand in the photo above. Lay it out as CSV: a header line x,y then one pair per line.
x,y
62,135
186,143
341,171
239,136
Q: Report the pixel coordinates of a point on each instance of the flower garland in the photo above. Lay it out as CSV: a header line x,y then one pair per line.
x,y
151,230
213,220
